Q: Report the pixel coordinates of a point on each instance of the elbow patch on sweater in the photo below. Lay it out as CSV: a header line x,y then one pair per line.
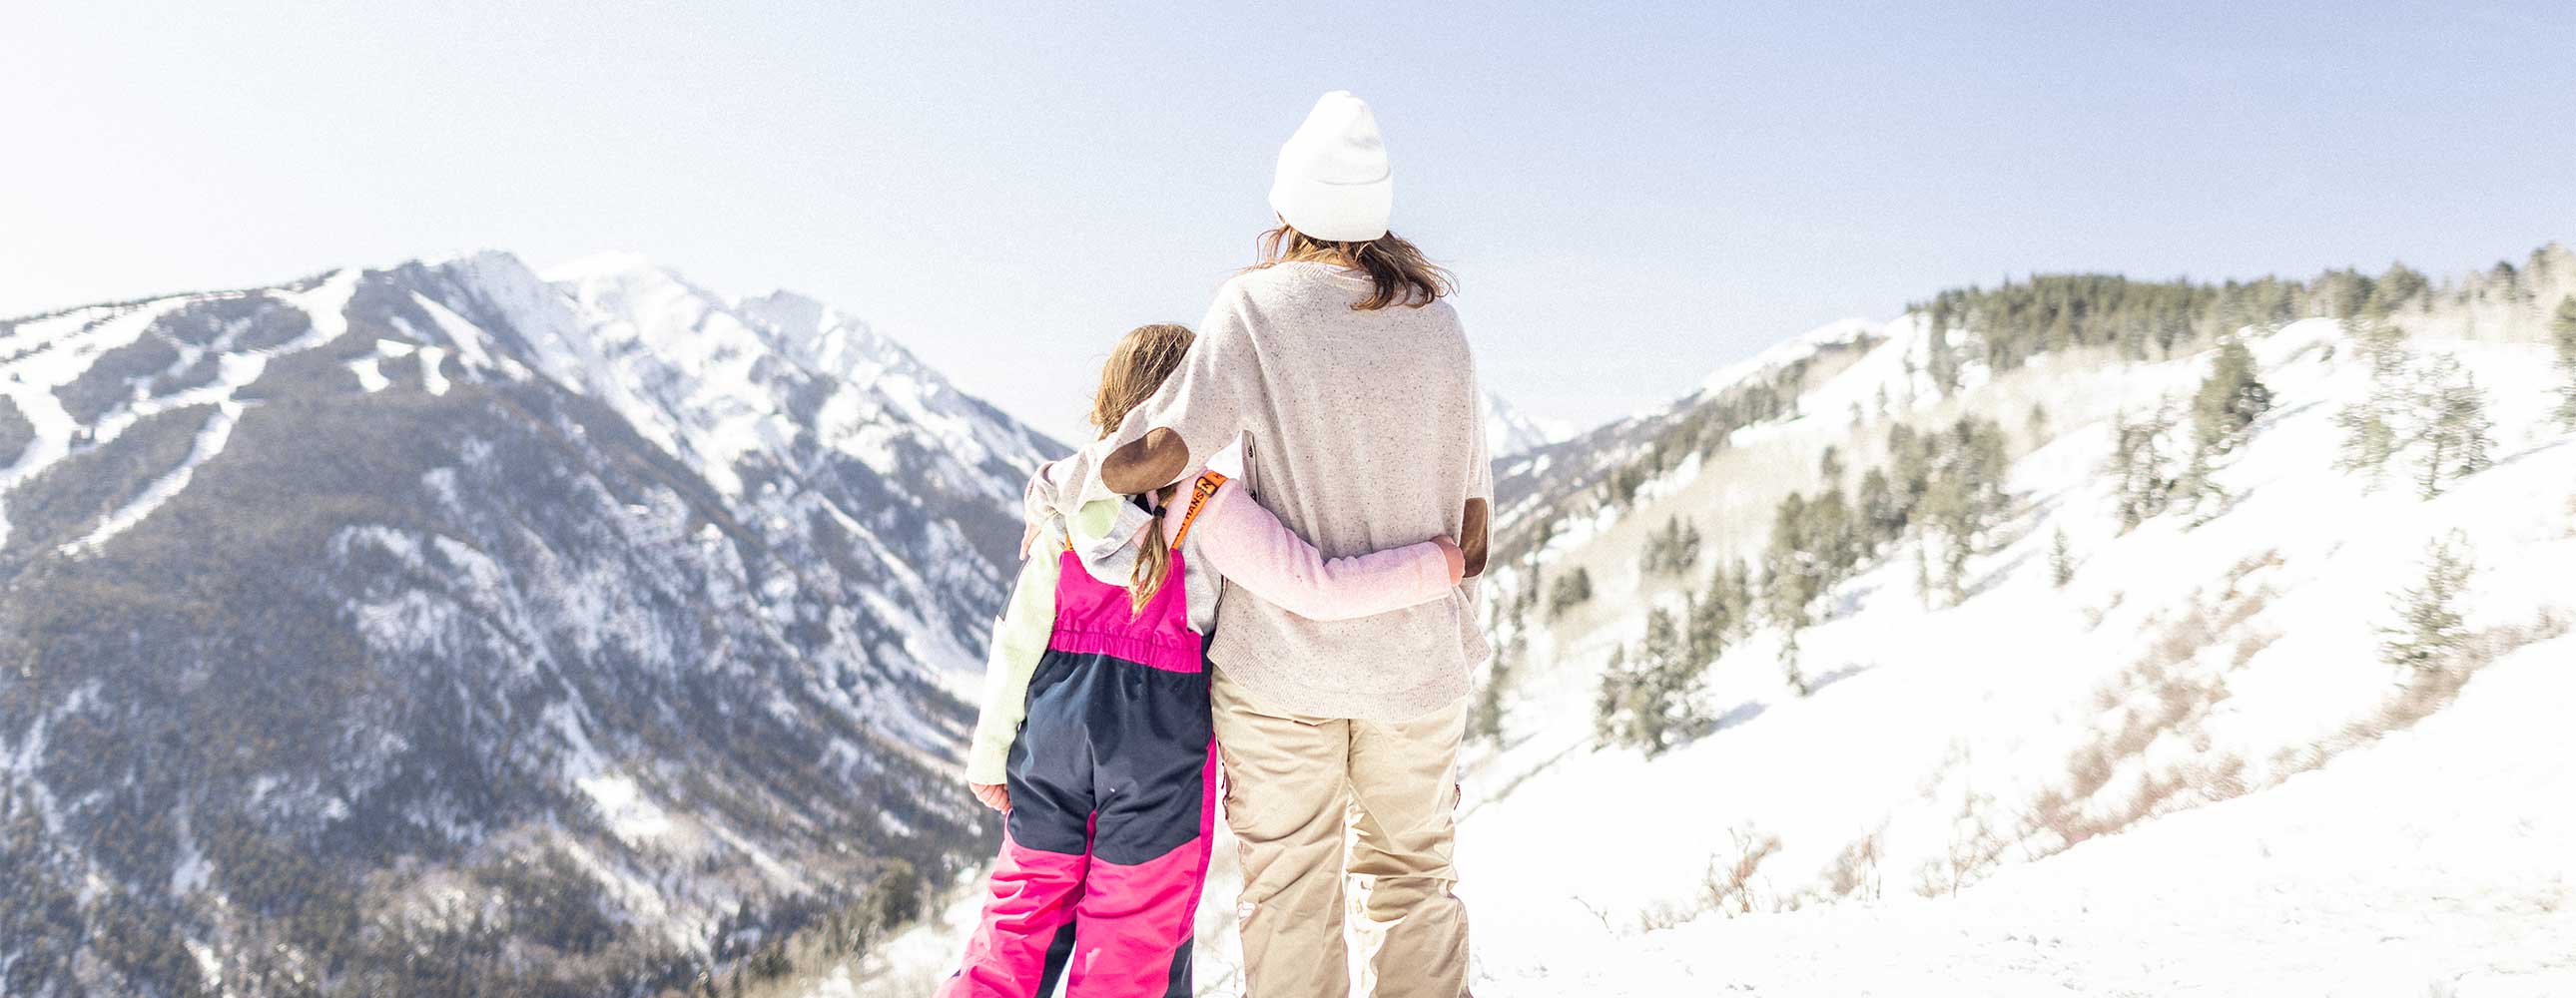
x,y
1472,537
1155,460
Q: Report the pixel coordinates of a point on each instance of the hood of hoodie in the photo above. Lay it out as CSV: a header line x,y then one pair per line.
x,y
1103,533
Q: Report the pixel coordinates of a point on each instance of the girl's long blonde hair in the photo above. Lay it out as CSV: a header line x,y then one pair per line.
x,y
1136,369
1398,272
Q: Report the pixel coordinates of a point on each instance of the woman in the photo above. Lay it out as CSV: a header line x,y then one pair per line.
x,y
1348,379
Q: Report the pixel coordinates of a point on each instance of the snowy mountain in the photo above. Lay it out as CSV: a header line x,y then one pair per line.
x,y
1967,678
443,628
1510,432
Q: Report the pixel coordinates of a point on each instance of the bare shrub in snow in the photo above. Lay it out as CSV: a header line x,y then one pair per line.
x,y
1661,915
2094,616
2431,689
1976,848
2424,693
1730,881
2055,817
2164,694
2249,646
1855,870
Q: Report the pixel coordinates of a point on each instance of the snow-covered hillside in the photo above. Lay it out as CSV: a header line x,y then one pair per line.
x,y
2186,767
2231,665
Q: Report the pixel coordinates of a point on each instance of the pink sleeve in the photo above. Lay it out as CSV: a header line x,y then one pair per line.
x,y
1252,549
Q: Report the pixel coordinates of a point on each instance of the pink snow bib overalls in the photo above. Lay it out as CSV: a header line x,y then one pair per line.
x,y
1113,791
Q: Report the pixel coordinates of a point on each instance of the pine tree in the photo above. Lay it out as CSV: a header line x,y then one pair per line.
x,y
1909,464
1830,467
1731,597
2197,490
2370,424
1611,708
1570,590
1923,572
1942,360
1670,705
2061,560
1672,550
1881,519
1705,624
1652,699
1944,516
2430,626
2451,409
1789,672
1785,560
2229,399
1790,581
1485,720
895,898
1832,540
2393,290
2142,483
2562,335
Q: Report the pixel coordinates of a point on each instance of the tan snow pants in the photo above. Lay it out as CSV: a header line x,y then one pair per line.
x,y
1315,798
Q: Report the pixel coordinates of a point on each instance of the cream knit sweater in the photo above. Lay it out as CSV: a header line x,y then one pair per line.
x,y
1362,431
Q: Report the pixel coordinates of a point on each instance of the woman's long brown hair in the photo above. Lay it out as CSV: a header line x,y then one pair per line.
x,y
1397,271
1136,369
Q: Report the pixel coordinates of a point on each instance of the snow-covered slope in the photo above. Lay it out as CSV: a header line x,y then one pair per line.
x,y
2431,863
2183,666
441,628
2188,769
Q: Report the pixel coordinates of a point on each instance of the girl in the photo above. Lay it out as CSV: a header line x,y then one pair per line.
x,y
1096,740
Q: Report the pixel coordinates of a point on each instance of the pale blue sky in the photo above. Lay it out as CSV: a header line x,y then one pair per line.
x,y
1630,199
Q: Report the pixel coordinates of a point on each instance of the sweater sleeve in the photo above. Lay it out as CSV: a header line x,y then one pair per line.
x,y
1251,548
1019,640
1201,408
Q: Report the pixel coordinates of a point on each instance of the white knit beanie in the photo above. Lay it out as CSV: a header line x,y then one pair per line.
x,y
1334,182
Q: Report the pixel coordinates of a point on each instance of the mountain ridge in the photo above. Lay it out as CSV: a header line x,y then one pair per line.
x,y
641,613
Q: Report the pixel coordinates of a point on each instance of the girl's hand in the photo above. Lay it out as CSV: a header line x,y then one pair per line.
x,y
994,795
1457,558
